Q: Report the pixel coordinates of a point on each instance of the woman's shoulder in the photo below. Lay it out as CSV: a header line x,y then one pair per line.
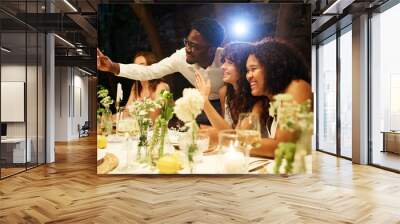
x,y
300,90
258,106
222,90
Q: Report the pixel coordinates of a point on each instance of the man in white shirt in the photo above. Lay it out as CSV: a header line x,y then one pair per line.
x,y
201,53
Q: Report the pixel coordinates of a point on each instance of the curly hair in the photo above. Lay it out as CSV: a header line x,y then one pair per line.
x,y
242,101
282,64
150,59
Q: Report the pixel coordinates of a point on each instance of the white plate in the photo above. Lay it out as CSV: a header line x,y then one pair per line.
x,y
115,138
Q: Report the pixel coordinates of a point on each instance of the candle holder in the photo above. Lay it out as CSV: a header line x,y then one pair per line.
x,y
233,158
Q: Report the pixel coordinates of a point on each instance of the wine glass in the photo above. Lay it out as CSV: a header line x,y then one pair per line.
x,y
249,131
122,122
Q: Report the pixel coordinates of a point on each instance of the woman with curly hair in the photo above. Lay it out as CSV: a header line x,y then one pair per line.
x,y
274,67
235,95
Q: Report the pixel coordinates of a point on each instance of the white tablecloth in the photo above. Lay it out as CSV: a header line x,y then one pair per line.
x,y
209,163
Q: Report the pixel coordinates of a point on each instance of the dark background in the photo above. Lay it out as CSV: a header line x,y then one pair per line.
x,y
125,29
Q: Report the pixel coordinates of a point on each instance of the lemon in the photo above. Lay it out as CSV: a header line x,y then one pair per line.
x,y
168,164
101,141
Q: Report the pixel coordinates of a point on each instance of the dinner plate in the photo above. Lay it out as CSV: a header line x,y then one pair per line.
x,y
115,138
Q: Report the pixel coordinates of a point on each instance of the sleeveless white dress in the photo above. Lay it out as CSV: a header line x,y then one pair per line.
x,y
271,131
227,115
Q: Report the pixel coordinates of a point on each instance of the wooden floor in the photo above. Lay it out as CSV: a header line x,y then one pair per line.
x,y
387,159
69,191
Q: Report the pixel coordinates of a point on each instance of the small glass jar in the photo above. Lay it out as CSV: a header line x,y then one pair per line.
x,y
233,158
107,122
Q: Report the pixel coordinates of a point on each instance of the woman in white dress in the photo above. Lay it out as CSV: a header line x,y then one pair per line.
x,y
274,67
146,89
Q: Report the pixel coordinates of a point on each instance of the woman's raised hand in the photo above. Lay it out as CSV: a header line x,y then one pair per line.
x,y
203,86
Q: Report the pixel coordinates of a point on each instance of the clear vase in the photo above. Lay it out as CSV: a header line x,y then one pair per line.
x,y
99,125
142,149
107,122
303,148
162,141
192,147
143,152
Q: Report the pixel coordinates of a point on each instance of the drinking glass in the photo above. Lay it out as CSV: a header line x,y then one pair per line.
x,y
123,122
248,129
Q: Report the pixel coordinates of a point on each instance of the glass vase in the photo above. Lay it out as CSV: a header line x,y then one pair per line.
x,y
303,148
107,122
99,125
143,154
192,147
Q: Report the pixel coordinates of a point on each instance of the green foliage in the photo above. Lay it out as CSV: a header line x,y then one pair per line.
x,y
99,112
292,116
102,93
166,103
141,109
285,151
296,118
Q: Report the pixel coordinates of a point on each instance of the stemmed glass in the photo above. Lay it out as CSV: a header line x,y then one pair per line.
x,y
249,131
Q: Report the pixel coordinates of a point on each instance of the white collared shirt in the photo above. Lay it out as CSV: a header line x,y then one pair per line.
x,y
177,63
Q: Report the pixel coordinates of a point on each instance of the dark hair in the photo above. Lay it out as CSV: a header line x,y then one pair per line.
x,y
151,58
210,30
282,64
242,101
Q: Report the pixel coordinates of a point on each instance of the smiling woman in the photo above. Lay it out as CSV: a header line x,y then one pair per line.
x,y
275,67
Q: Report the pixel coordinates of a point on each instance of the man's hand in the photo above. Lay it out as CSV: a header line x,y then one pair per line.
x,y
105,64
203,86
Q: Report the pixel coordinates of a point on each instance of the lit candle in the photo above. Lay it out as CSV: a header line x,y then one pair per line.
x,y
234,161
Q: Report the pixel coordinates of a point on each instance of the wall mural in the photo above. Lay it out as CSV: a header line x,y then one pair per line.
x,y
204,89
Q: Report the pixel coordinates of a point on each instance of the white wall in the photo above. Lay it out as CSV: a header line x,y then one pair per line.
x,y
71,102
12,73
61,103
33,127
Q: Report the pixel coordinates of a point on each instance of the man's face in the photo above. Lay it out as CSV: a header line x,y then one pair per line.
x,y
197,48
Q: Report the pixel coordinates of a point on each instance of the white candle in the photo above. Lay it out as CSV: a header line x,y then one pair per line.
x,y
234,161
119,93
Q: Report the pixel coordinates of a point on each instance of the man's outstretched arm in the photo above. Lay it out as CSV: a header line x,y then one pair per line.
x,y
158,70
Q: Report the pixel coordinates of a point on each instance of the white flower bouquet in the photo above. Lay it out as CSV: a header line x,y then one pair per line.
x,y
140,110
187,108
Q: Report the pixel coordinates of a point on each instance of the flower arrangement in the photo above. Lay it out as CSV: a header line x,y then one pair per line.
x,y
298,119
141,109
190,105
187,108
166,103
106,100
